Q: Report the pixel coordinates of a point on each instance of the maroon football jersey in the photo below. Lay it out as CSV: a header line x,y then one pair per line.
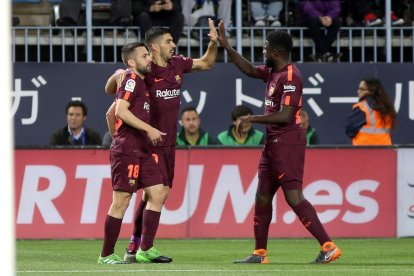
x,y
284,87
129,140
164,84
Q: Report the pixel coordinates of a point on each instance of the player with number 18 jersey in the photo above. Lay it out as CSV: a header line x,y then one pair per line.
x,y
131,147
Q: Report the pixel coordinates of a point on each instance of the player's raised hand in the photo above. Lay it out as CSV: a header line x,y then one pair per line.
x,y
222,39
213,32
155,135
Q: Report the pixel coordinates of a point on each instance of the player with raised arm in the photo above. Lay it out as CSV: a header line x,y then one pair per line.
x,y
283,156
164,84
133,165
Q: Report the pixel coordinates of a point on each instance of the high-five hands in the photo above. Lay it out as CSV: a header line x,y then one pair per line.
x,y
213,35
222,38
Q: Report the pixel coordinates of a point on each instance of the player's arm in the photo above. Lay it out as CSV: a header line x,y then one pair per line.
x,y
122,112
111,119
114,81
208,60
281,117
243,64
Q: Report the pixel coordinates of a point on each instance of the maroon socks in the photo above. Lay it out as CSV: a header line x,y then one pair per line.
x,y
138,219
262,219
150,222
112,229
307,215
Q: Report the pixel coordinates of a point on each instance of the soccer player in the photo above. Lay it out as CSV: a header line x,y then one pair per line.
x,y
282,160
133,164
164,84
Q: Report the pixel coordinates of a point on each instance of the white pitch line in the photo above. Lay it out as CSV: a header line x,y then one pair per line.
x,y
364,269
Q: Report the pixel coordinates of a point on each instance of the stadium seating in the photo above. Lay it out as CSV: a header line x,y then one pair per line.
x,y
44,12
100,12
32,12
26,1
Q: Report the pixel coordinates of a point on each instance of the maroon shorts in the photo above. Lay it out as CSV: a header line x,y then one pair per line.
x,y
166,162
282,164
130,173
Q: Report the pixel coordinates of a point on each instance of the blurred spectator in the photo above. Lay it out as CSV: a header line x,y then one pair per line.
x,y
69,11
369,12
322,13
75,132
191,133
195,10
124,11
311,135
142,13
161,13
121,12
107,139
187,7
249,135
266,11
15,21
373,117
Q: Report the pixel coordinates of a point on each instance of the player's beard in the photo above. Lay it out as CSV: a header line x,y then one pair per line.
x,y
269,63
144,70
166,56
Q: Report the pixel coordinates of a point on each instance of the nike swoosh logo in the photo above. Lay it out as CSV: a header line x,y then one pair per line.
x,y
411,185
158,80
328,256
282,175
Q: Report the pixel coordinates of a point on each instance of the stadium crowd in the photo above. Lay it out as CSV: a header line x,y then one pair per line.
x,y
259,13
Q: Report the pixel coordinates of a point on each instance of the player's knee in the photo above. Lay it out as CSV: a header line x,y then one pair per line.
x,y
294,199
120,204
263,199
157,194
166,193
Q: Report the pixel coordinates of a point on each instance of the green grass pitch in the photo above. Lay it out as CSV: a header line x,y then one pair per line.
x,y
216,256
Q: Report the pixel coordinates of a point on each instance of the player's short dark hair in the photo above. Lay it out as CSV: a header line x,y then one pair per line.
x,y
154,33
240,110
128,49
280,40
189,108
77,104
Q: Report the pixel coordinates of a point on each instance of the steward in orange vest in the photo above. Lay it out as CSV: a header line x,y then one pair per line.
x,y
366,126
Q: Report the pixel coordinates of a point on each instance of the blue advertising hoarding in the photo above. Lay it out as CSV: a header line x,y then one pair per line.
x,y
42,90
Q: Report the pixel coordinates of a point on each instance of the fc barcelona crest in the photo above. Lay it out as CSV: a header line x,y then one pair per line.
x,y
271,91
178,79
